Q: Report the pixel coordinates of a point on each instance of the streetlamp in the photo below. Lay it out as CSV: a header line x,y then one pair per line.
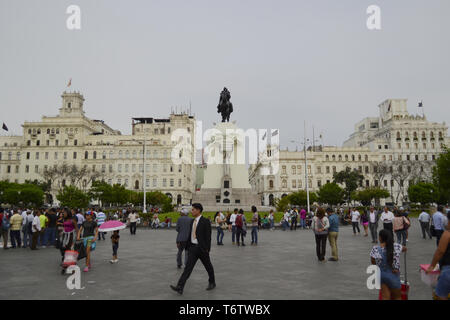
x,y
144,210
304,143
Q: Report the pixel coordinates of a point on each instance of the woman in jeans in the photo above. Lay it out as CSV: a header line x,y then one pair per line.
x,y
320,225
386,256
442,255
89,229
400,224
218,220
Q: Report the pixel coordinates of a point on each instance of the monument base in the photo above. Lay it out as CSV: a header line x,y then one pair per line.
x,y
211,199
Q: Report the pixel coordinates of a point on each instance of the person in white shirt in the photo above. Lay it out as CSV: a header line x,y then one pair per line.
x,y
373,224
233,225
424,219
387,217
27,227
272,220
355,220
36,229
133,218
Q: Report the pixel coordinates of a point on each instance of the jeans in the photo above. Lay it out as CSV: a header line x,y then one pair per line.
x,y
233,233
303,223
285,225
50,236
332,237
26,238
355,226
15,237
115,247
373,231
321,243
425,226
102,235
219,235
401,237
254,234
272,224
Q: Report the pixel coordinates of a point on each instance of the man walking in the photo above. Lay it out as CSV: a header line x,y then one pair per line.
x,y
199,245
183,228
101,218
333,232
133,218
387,217
424,219
355,221
439,221
373,224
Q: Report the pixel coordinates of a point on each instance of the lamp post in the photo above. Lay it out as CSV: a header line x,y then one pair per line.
x,y
304,143
144,210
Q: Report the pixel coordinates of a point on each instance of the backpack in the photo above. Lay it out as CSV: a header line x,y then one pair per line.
x,y
5,222
238,221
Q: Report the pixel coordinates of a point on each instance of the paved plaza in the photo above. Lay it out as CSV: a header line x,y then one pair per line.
x,y
282,266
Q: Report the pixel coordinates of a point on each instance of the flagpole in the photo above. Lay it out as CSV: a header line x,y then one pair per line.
x,y
306,166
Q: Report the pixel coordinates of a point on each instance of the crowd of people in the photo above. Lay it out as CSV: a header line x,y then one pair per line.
x,y
63,228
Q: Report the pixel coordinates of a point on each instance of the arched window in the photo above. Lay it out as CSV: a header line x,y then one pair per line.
x,y
136,184
86,154
340,157
94,155
179,199
346,157
271,202
271,184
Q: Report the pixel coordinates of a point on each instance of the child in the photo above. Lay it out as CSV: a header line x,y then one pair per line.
x,y
115,245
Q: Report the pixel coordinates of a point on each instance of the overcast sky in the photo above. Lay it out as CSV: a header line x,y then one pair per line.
x,y
283,61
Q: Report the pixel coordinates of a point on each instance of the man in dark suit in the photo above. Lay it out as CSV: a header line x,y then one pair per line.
x,y
184,231
199,245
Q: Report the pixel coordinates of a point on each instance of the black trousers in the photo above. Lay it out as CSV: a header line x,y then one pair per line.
x,y
321,245
133,227
294,224
355,226
239,235
388,226
195,253
425,229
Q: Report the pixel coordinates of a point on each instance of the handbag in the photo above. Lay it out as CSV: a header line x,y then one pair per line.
x,y
79,247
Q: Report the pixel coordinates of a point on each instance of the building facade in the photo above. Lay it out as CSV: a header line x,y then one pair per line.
x,y
391,151
71,149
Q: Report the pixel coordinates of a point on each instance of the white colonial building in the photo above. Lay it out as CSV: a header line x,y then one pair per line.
x,y
391,151
83,150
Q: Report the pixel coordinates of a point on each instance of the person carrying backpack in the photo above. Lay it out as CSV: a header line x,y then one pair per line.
x,y
4,227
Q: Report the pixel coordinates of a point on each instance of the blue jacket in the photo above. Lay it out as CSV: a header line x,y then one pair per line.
x,y
334,223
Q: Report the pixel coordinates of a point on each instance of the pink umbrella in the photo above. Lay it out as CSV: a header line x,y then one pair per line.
x,y
112,225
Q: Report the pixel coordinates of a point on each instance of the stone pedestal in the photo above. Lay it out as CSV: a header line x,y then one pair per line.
x,y
226,182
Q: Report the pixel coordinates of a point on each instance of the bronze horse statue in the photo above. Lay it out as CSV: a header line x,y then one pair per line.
x,y
225,107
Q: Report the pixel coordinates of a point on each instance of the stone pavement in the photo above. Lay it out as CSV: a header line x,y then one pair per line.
x,y
282,266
